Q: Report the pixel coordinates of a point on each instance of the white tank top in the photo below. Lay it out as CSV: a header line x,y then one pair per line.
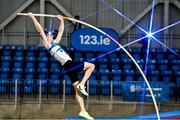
x,y
58,53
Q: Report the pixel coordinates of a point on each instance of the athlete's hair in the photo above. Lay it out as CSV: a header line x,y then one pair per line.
x,y
52,32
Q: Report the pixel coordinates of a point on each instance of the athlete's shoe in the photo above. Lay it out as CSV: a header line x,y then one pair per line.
x,y
81,88
85,115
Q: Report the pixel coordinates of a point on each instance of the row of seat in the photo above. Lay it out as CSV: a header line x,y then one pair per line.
x,y
30,61
130,91
136,52
104,75
125,64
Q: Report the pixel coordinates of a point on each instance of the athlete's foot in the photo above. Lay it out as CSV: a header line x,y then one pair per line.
x,y
85,115
81,88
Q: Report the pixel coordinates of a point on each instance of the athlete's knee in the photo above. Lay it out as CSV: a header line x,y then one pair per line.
x,y
89,66
92,66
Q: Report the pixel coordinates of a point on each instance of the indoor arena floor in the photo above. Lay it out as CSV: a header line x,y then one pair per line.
x,y
172,115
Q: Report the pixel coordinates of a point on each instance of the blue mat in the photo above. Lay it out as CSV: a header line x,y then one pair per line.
x,y
163,115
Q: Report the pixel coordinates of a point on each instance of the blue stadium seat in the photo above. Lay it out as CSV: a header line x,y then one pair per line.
x,y
104,87
53,60
30,59
166,76
43,54
159,56
163,65
18,53
117,88
55,71
4,76
54,90
30,48
29,76
42,65
7,48
177,77
4,70
68,85
104,71
42,59
92,77
55,65
55,84
129,75
30,70
6,53
124,56
172,56
28,86
115,60
137,56
42,76
89,56
42,70
30,65
139,76
13,88
18,59
152,64
4,86
116,78
54,76
112,55
104,78
17,70
28,82
78,57
18,65
19,48
115,67
103,66
135,50
175,65
6,58
116,72
102,60
68,88
154,76
127,64
43,82
159,50
17,76
93,86
30,53
141,63
28,90
41,49
5,64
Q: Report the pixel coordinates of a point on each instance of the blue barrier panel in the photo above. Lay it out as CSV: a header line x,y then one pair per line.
x,y
133,91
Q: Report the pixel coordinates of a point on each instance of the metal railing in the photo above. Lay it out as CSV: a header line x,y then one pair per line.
x,y
109,92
